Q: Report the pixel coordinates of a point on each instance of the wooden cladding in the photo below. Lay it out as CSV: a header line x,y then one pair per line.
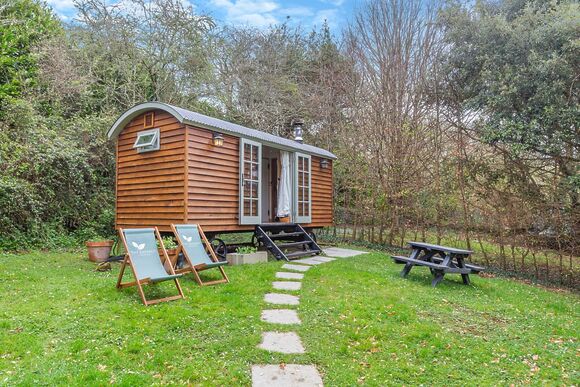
x,y
322,194
213,181
150,186
189,180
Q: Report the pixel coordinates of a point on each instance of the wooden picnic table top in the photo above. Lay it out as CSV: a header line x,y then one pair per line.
x,y
445,249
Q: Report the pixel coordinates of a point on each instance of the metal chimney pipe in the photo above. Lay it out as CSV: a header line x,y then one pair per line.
x,y
297,125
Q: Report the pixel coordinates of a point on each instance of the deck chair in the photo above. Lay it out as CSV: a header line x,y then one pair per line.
x,y
143,257
189,238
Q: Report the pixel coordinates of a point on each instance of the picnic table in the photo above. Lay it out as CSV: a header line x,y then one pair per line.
x,y
439,259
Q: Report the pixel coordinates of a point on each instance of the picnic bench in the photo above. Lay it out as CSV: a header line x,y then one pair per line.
x,y
439,259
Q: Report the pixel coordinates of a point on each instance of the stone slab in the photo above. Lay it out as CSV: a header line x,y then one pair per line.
x,y
281,316
290,266
283,342
287,285
337,252
308,261
281,299
289,375
324,259
286,275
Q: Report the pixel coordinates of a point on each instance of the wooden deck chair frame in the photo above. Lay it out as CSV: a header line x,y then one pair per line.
x,y
145,281
195,269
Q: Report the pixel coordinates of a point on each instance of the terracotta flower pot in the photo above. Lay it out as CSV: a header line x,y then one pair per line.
x,y
99,251
285,219
171,253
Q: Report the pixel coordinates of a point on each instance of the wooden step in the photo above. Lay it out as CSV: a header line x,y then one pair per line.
x,y
286,235
292,244
277,225
303,253
292,233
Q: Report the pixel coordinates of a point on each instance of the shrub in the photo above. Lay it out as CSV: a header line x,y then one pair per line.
x,y
246,250
168,242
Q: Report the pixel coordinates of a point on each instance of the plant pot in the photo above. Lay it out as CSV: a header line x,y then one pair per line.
x,y
172,254
246,259
99,251
285,219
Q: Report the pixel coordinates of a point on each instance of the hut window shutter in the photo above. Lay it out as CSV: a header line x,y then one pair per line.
x,y
147,140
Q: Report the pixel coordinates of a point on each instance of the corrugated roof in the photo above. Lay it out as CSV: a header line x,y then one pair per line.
x,y
197,119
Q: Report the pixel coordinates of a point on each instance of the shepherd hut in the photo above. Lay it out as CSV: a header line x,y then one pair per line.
x,y
177,166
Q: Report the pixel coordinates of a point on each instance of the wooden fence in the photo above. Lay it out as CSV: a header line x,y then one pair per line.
x,y
522,255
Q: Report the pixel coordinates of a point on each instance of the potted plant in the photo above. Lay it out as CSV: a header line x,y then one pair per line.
x,y
171,248
99,249
247,255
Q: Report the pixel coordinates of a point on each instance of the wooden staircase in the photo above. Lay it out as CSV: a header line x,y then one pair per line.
x,y
286,240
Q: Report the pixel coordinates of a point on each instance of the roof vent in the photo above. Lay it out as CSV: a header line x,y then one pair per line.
x,y
297,125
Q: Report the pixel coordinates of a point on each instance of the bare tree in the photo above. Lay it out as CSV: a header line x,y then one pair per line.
x,y
392,43
266,79
143,49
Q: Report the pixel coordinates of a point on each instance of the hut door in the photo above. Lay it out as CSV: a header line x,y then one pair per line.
x,y
302,189
250,182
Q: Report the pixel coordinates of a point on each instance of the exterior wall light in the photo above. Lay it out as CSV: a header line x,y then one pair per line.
x,y
324,163
218,139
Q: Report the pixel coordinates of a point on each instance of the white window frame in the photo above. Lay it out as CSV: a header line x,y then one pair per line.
x,y
247,219
302,219
151,145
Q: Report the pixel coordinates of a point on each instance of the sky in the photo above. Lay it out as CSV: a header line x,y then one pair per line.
x,y
256,13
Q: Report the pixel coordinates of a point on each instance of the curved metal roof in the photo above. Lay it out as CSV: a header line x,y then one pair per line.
x,y
200,120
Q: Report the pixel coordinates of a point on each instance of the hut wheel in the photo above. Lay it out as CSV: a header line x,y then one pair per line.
x,y
219,247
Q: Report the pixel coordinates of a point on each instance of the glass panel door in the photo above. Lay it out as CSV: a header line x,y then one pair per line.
x,y
250,181
303,187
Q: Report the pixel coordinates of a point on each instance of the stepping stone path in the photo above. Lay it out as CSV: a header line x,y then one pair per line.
x,y
281,316
281,299
292,276
284,342
290,266
287,285
290,375
294,375
309,261
324,259
342,253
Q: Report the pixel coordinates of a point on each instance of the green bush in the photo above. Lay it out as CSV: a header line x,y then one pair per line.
x,y
20,205
168,242
56,179
246,250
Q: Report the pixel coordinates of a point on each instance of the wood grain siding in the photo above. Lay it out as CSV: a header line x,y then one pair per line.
x,y
213,193
322,194
150,185
190,180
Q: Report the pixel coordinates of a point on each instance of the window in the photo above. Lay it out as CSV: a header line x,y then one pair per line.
x,y
149,120
147,140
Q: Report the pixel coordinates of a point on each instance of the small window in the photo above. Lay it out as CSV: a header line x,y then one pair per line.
x,y
147,140
149,120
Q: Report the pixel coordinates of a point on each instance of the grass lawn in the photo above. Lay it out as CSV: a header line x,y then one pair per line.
x,y
63,323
